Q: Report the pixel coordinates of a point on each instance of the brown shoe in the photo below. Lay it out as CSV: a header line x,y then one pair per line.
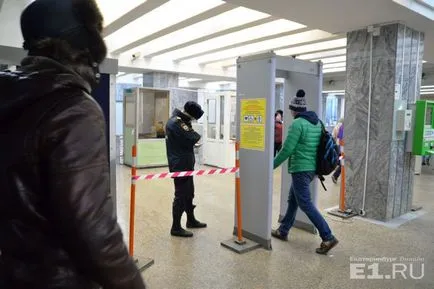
x,y
326,246
278,235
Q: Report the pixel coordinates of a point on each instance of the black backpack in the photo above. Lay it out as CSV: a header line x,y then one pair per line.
x,y
327,158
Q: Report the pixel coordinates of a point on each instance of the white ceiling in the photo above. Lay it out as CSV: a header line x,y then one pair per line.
x,y
340,16
203,38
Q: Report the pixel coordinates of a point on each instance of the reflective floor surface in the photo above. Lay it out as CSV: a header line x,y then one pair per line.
x,y
202,263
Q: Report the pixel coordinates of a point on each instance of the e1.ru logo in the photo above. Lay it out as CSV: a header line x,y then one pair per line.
x,y
398,268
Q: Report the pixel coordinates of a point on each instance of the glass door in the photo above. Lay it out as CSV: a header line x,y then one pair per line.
x,y
211,118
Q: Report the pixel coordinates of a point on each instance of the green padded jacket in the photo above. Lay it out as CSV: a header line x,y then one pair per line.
x,y
301,144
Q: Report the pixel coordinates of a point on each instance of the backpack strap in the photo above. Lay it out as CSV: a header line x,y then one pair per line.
x,y
322,179
322,126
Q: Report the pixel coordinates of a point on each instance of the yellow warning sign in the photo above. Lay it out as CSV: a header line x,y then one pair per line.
x,y
252,124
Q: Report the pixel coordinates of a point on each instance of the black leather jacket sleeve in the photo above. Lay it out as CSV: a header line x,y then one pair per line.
x,y
185,134
79,197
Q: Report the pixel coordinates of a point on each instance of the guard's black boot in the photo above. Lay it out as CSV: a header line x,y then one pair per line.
x,y
177,230
192,223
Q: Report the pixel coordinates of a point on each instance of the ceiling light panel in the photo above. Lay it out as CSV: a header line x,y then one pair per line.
x,y
113,10
324,54
230,63
334,91
263,46
225,63
235,17
193,79
232,69
160,18
274,27
428,3
332,59
313,47
334,70
335,65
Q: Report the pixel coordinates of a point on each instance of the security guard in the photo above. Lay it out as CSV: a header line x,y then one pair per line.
x,y
180,142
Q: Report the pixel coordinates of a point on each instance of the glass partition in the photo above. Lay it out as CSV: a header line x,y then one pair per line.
x,y
233,131
153,109
428,120
212,132
333,109
222,116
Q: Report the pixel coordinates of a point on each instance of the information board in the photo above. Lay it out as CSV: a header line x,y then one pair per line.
x,y
252,124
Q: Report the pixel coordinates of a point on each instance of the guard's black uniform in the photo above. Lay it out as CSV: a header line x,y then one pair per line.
x,y
180,142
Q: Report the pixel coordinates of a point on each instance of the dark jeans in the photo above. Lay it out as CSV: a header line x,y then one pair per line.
x,y
299,196
337,172
277,148
184,192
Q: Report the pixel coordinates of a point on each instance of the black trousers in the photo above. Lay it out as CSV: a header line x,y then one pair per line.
x,y
277,148
337,172
184,193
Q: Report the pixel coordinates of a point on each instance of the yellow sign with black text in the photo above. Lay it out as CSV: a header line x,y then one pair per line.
x,y
252,123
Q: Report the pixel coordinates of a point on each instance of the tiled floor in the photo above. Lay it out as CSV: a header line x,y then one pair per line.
x,y
201,263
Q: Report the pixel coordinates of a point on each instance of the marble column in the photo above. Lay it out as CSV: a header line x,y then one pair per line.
x,y
279,97
393,76
160,80
178,96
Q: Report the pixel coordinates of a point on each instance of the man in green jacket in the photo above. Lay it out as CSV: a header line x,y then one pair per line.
x,y
300,149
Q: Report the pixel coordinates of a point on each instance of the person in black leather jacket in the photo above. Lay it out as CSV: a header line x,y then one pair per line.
x,y
180,142
58,229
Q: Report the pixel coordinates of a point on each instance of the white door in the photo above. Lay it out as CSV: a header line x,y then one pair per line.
x,y
212,147
219,149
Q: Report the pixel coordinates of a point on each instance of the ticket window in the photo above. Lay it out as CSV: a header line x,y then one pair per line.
x,y
153,113
146,112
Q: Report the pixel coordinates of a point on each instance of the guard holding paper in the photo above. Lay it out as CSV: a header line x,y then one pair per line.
x,y
180,142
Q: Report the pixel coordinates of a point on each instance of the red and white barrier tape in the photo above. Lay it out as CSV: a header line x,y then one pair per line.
x,y
187,174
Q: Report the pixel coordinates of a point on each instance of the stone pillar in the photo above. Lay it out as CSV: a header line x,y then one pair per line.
x,y
279,97
324,106
160,80
393,76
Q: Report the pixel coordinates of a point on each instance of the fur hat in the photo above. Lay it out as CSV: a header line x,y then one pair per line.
x,y
193,109
298,102
78,22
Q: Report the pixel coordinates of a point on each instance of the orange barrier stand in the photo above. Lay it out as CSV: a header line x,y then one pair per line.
x,y
142,263
239,244
342,211
238,196
133,199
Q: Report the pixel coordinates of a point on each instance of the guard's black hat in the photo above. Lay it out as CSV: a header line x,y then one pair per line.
x,y
193,109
